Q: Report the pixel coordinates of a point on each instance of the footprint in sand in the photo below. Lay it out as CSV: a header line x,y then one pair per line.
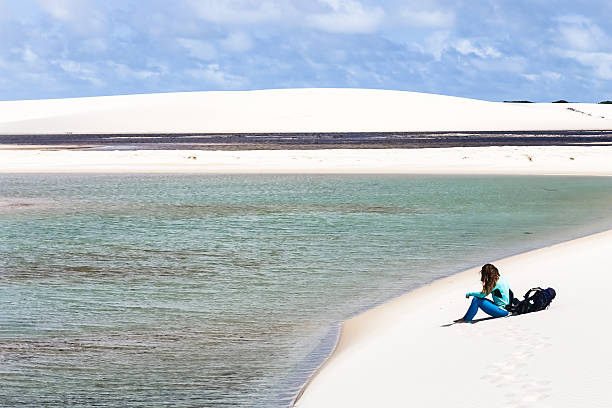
x,y
527,389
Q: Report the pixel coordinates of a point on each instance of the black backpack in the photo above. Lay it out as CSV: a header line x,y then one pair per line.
x,y
536,299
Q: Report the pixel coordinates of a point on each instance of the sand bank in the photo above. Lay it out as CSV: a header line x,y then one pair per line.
x,y
404,354
536,160
292,110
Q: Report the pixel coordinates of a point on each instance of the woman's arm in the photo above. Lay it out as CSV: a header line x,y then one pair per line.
x,y
475,294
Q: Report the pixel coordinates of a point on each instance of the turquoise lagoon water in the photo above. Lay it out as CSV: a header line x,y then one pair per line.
x,y
219,291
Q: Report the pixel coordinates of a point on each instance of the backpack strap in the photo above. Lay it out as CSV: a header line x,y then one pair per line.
x,y
527,295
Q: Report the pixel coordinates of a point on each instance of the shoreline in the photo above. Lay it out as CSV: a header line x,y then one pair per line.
x,y
370,330
337,329
496,160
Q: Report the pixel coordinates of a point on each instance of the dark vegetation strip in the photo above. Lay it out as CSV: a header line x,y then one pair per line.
x,y
254,141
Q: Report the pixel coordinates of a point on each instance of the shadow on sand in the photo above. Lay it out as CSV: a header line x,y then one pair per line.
x,y
482,319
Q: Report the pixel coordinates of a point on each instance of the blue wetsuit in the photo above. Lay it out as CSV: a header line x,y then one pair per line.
x,y
501,297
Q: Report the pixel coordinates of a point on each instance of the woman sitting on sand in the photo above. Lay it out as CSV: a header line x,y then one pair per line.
x,y
494,284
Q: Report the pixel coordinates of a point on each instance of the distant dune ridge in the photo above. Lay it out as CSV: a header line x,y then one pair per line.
x,y
292,110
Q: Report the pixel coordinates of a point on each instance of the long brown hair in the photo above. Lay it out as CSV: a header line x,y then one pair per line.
x,y
488,276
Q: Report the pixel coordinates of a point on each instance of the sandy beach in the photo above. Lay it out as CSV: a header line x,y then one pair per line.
x,y
403,352
536,160
406,353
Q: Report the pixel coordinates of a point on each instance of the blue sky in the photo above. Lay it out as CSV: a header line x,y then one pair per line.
x,y
540,50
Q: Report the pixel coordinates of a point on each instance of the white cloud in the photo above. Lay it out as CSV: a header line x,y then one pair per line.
x,y
124,72
238,42
334,16
531,77
59,9
82,71
199,49
466,47
440,42
82,16
585,42
600,62
240,11
546,75
347,16
553,76
436,44
212,74
427,18
28,55
580,33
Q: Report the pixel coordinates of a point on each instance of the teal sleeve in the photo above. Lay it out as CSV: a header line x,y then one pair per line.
x,y
475,294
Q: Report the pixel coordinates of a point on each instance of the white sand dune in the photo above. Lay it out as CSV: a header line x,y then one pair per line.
x,y
291,110
400,354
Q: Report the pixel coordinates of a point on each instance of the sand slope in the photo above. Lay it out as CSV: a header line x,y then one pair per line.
x,y
291,110
400,354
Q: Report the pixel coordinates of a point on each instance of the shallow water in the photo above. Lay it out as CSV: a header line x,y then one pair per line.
x,y
195,290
